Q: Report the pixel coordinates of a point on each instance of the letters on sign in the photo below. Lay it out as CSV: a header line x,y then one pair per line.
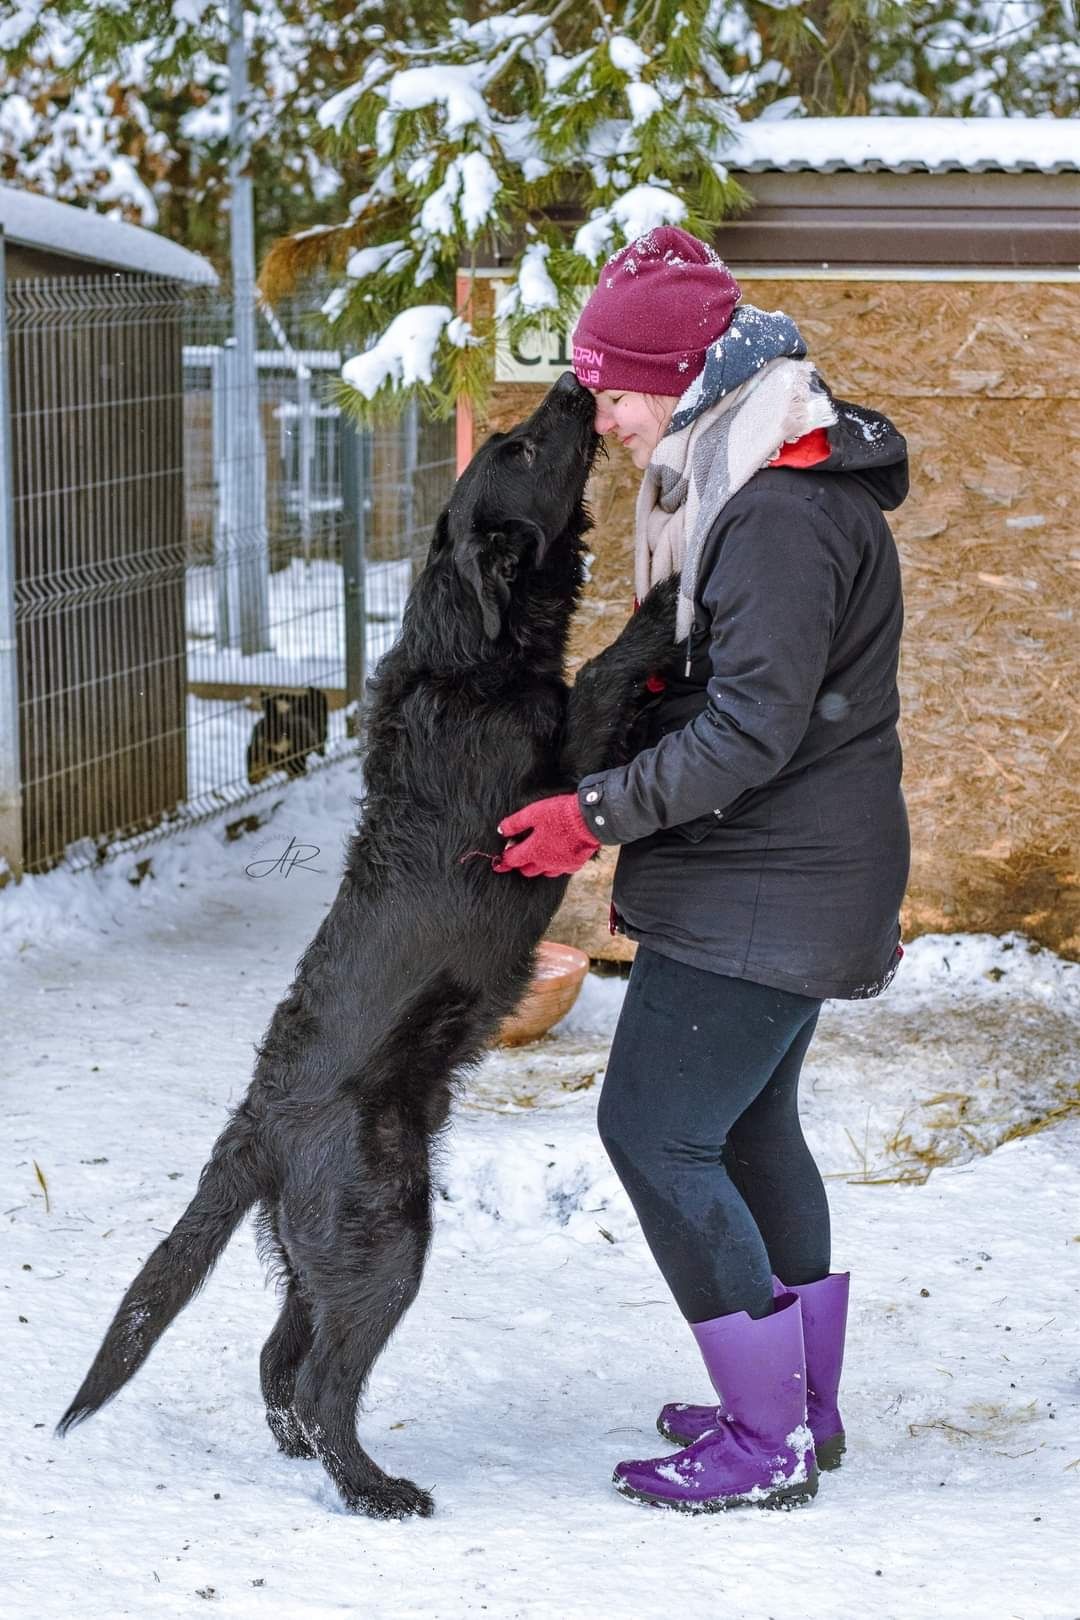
x,y
542,357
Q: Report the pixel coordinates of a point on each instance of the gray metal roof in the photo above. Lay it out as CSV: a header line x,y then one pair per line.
x,y
907,145
56,227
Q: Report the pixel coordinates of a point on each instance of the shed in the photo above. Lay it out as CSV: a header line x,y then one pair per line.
x,y
932,265
92,649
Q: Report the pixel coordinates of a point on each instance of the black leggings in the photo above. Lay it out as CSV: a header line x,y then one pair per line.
x,y
699,1114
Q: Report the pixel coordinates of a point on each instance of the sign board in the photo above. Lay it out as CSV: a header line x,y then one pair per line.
x,y
542,357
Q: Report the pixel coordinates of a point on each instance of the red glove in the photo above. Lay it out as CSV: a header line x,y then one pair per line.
x,y
557,843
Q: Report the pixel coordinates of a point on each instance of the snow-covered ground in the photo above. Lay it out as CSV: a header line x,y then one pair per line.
x,y
306,614
543,1341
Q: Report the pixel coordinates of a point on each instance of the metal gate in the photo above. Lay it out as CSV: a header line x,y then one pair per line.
x,y
182,629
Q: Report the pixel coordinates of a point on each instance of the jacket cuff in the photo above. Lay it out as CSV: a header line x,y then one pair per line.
x,y
595,810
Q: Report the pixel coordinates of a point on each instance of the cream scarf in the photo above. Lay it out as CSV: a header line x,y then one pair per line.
x,y
694,472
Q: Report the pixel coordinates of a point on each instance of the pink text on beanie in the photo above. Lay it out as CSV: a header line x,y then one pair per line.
x,y
660,302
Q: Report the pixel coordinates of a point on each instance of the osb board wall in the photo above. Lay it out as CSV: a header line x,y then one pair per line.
x,y
982,379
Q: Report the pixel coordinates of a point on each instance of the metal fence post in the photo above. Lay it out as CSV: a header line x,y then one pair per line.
x,y
245,543
221,471
410,461
356,500
11,842
305,444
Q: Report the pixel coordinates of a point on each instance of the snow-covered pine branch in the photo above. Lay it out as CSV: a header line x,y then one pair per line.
x,y
483,142
125,107
599,105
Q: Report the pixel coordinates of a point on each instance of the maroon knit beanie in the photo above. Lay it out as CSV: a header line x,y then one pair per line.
x,y
659,303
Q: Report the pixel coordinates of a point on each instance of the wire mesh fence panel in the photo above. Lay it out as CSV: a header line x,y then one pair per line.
x,y
181,537
96,455
410,471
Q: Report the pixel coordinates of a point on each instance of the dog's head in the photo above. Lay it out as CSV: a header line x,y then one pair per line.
x,y
519,506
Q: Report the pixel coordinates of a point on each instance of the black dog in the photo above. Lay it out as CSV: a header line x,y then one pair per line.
x,y
292,726
423,953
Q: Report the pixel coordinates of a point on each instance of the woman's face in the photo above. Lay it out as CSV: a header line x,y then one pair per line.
x,y
639,420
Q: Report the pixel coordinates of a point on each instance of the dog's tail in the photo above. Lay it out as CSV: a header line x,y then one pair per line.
x,y
175,1271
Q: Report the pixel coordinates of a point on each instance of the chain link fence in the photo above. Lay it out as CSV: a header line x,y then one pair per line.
x,y
196,566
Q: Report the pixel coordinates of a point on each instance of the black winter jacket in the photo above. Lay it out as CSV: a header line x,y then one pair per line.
x,y
763,824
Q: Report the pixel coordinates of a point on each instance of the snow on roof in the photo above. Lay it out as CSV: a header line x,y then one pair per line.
x,y
903,145
57,227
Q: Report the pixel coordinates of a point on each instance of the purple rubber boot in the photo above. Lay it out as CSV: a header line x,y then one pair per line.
x,y
824,1319
762,1452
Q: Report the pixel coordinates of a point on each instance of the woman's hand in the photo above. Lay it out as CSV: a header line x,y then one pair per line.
x,y
556,840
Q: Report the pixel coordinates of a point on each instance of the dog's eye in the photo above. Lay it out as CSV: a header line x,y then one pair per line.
x,y
525,450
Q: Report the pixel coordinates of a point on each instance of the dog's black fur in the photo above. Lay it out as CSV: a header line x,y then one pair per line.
x,y
423,953
292,726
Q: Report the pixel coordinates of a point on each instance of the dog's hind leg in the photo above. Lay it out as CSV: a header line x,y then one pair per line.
x,y
363,1289
362,1268
279,1364
288,1344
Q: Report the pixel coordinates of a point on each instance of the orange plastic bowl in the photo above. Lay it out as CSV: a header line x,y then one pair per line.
x,y
557,978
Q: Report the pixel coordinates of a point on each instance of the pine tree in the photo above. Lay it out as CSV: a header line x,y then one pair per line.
x,y
619,110
475,125
979,58
125,107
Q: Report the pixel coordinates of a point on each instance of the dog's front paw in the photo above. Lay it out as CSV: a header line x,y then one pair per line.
x,y
650,634
393,1499
661,603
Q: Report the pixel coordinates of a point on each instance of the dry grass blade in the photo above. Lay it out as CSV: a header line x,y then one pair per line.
x,y
1032,1127
939,1423
43,1184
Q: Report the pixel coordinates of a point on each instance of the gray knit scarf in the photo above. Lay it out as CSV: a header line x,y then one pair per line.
x,y
756,393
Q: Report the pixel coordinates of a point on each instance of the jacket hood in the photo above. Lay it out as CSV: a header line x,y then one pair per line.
x,y
866,445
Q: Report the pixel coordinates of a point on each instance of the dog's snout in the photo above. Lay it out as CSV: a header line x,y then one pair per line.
x,y
567,384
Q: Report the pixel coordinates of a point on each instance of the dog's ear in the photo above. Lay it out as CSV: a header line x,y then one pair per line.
x,y
485,569
441,538
518,533
488,561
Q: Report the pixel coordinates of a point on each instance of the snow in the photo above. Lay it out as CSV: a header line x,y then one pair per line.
x,y
189,11
306,611
460,334
543,1341
333,113
59,228
209,122
534,289
625,55
17,119
469,186
366,261
334,303
557,69
900,144
16,24
437,211
490,31
644,101
404,354
124,185
456,89
635,213
479,188
534,168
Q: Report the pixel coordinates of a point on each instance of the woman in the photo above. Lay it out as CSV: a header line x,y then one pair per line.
x,y
764,843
